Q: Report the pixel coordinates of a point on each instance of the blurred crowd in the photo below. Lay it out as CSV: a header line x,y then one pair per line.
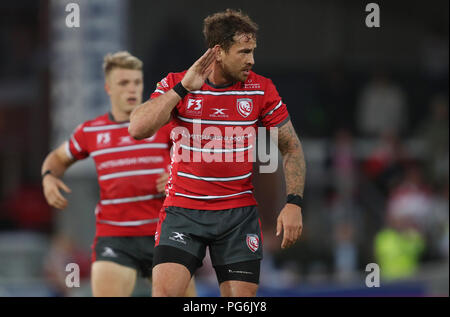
x,y
384,197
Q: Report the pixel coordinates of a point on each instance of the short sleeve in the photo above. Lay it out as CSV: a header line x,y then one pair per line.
x,y
76,146
163,86
274,112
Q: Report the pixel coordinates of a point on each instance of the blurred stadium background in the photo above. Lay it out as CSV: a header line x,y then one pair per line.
x,y
370,105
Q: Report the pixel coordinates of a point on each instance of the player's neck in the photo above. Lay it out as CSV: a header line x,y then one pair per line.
x,y
119,116
218,78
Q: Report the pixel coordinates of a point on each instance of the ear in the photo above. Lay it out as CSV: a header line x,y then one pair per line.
x,y
219,52
107,88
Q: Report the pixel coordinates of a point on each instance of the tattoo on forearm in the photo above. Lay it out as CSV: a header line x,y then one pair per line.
x,y
293,159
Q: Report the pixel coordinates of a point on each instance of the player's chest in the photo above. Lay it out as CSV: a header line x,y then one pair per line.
x,y
220,106
118,138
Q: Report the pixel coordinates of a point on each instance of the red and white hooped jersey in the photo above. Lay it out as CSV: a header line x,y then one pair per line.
x,y
127,170
203,120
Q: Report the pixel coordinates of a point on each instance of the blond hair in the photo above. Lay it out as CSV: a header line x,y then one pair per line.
x,y
121,59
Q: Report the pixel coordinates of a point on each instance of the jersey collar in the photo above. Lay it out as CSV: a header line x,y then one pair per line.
x,y
111,118
218,86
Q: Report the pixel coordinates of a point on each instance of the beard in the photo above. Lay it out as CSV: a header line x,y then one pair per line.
x,y
233,75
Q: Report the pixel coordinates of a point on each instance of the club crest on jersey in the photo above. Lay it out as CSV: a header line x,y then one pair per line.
x,y
252,242
244,106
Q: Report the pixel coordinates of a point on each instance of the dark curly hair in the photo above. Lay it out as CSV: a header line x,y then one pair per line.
x,y
221,27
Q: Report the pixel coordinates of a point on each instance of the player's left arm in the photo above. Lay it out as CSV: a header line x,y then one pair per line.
x,y
290,218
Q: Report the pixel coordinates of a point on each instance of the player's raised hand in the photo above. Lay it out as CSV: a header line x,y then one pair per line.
x,y
196,75
52,186
161,182
290,222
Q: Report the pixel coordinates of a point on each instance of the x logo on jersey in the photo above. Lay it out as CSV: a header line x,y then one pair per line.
x,y
218,111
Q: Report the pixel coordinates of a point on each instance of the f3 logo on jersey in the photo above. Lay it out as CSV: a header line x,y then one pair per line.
x,y
244,106
194,106
103,138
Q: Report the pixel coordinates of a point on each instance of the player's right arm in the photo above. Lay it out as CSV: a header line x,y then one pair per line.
x,y
57,162
148,117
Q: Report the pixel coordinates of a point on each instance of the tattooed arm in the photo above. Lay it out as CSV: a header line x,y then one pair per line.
x,y
293,159
294,166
